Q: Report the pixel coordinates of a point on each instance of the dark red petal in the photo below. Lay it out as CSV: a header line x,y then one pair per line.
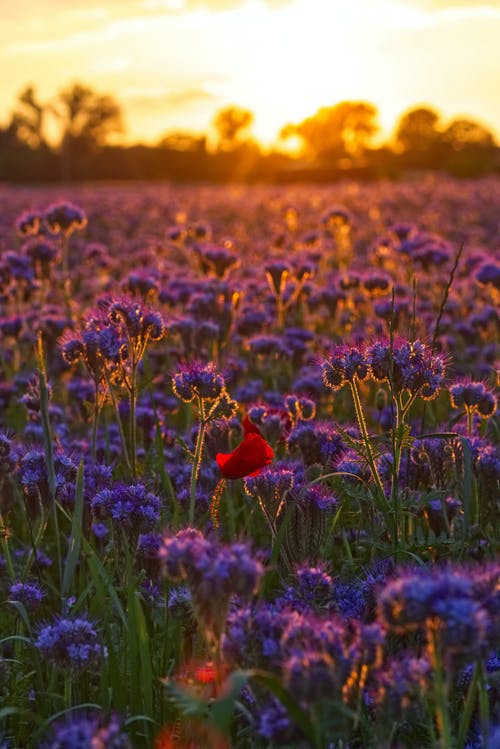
x,y
250,428
251,455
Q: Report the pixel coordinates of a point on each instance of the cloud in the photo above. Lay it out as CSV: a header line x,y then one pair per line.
x,y
157,99
468,6
213,6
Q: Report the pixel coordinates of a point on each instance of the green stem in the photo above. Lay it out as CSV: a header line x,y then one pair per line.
x,y
483,702
468,708
274,535
280,312
64,256
380,494
95,422
4,534
440,690
469,420
197,459
118,421
133,425
48,447
67,691
397,447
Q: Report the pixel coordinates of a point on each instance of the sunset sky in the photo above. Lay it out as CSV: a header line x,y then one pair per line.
x,y
173,63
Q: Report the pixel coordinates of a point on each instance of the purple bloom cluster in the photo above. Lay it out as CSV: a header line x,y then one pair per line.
x,y
474,397
344,364
72,644
87,732
139,322
255,294
29,594
447,602
198,379
64,218
270,487
130,507
213,573
408,366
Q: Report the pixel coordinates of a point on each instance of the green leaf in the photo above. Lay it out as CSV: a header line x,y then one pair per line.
x,y
467,494
222,709
76,536
99,573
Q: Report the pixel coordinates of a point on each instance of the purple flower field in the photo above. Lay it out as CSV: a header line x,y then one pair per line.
x,y
250,466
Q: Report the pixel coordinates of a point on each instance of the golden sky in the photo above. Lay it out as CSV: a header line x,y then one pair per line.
x,y
173,63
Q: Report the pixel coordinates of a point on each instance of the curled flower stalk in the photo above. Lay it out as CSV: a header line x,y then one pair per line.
x,y
348,366
64,219
197,458
139,325
360,417
203,384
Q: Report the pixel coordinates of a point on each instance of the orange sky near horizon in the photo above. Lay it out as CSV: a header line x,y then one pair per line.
x,y
173,63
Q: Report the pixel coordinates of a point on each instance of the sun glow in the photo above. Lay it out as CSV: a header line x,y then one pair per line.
x,y
294,60
173,63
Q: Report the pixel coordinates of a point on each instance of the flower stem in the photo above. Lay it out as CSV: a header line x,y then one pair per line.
x,y
95,422
197,459
440,689
133,425
119,421
380,493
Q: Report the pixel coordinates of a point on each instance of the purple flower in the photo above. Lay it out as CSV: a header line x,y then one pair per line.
x,y
310,676
140,322
28,223
72,644
317,442
198,379
65,218
344,364
76,731
275,725
474,397
213,573
131,507
29,594
409,366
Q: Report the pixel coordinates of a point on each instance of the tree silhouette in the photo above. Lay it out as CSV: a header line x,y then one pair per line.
x,y
183,141
28,119
463,134
230,123
344,129
417,130
87,119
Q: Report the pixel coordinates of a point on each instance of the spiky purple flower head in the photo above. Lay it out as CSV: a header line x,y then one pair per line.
x,y
343,364
198,379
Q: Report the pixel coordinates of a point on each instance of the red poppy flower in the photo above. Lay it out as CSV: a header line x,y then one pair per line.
x,y
250,428
247,459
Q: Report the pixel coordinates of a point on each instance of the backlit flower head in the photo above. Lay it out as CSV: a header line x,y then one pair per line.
x,y
28,223
198,379
65,218
344,364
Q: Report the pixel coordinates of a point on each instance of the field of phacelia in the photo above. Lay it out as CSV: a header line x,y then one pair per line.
x,y
250,466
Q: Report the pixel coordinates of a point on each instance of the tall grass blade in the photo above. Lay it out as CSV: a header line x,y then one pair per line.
x,y
75,541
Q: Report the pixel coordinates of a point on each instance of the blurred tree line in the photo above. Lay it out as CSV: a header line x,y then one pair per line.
x,y
336,141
